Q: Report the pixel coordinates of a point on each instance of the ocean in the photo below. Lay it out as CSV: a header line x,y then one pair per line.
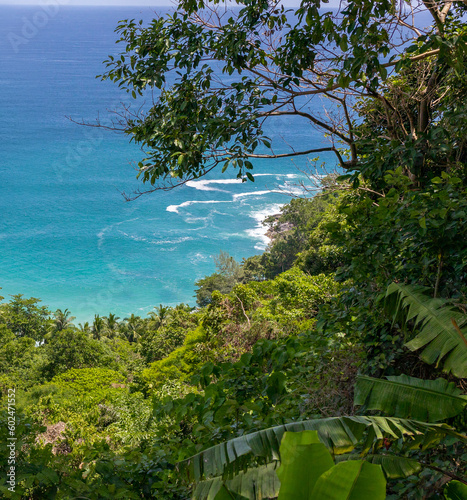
x,y
67,235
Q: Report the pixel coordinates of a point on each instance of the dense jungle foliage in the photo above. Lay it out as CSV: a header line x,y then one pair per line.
x,y
332,366
116,408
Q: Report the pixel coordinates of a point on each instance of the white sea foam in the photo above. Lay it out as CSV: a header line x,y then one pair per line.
x,y
101,234
176,208
278,176
133,237
204,185
175,241
254,193
259,231
193,220
198,257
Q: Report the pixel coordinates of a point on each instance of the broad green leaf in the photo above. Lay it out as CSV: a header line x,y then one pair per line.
x,y
455,490
393,466
351,480
254,484
339,434
303,460
225,494
409,397
441,337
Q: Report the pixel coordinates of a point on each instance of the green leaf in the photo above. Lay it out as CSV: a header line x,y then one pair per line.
x,y
225,494
339,434
303,459
409,397
254,484
393,466
441,338
250,177
352,480
455,490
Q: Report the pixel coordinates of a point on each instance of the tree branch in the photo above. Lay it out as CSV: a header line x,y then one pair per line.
x,y
434,11
445,473
314,120
445,10
414,58
287,155
243,309
334,150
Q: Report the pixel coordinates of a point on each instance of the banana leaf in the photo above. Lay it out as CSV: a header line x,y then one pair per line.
x,y
303,460
351,480
409,397
441,337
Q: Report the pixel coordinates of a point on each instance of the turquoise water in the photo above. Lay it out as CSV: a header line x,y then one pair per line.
x,y
67,235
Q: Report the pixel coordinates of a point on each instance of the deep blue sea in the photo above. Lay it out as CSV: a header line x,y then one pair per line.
x,y
67,236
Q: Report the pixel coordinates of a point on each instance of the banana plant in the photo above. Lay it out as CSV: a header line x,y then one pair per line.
x,y
307,472
247,467
455,490
410,397
441,338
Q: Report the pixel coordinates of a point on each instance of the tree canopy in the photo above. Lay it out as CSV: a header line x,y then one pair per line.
x,y
221,74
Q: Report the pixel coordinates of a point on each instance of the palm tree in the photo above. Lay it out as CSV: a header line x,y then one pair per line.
x,y
62,320
159,316
97,328
111,325
84,328
132,328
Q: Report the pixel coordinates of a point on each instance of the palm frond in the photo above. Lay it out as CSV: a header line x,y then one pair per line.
x,y
409,397
441,337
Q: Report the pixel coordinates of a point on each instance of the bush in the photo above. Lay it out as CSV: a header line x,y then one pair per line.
x,y
74,349
86,380
180,364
